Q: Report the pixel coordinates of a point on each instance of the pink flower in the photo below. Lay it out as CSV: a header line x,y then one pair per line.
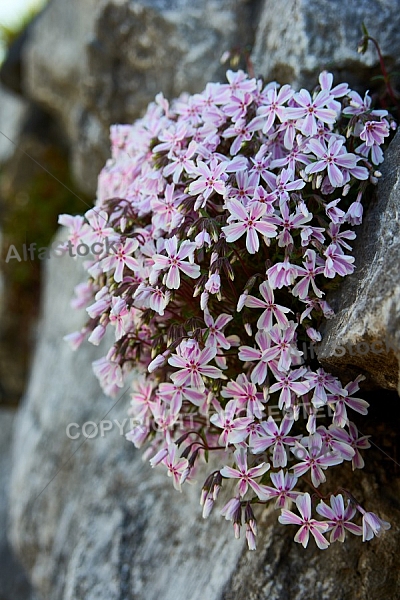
x,y
374,132
285,344
271,309
121,259
109,374
312,458
78,229
241,132
289,223
289,386
213,284
166,214
237,106
282,274
120,317
339,518
175,465
248,221
175,262
225,419
245,475
359,105
239,82
180,161
272,107
193,365
284,184
210,179
354,441
340,401
215,337
276,437
329,443
310,110
246,395
264,355
138,435
174,395
331,157
245,187
372,525
140,399
99,231
340,237
354,213
337,262
284,484
321,381
308,275
336,215
307,524
326,80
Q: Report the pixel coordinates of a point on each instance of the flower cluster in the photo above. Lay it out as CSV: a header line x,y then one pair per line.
x,y
227,216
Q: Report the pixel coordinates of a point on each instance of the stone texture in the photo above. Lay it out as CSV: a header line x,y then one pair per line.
x,y
93,521
13,113
294,44
110,58
367,304
14,584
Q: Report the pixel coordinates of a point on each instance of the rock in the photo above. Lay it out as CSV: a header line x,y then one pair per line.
x,y
13,112
14,584
294,44
91,520
121,54
364,335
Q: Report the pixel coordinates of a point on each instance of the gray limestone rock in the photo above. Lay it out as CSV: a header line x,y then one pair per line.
x,y
296,42
13,113
14,584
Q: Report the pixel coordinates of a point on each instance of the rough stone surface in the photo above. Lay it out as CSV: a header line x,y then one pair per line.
x,y
295,43
110,58
92,521
14,584
367,304
12,116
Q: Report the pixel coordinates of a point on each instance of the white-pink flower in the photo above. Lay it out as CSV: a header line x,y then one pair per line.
x,y
277,437
210,179
338,518
193,365
175,465
121,259
245,475
310,110
270,308
331,157
247,221
307,524
175,262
